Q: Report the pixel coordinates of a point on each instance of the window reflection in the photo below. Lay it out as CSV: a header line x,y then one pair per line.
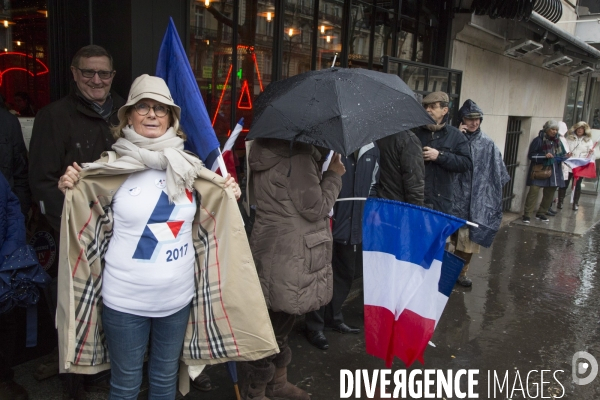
x,y
297,36
211,57
361,16
24,78
329,40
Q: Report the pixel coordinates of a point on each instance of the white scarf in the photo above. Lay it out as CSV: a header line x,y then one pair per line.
x,y
162,153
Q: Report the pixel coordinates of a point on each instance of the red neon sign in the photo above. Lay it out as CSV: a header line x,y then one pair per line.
x,y
245,102
258,72
45,69
222,94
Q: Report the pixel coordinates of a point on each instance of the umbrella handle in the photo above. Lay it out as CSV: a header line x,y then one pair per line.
x,y
237,391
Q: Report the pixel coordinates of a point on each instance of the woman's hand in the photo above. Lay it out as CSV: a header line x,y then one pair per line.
x,y
336,165
549,155
70,178
234,186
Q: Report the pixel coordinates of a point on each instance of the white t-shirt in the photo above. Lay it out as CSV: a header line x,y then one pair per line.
x,y
149,265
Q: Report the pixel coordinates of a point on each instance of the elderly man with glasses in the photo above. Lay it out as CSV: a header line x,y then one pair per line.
x,y
445,152
75,128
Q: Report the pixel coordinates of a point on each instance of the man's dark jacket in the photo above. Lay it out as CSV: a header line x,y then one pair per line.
x,y
66,131
454,157
13,158
402,170
358,181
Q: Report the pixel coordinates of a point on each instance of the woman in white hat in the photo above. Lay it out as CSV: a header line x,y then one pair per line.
x,y
149,260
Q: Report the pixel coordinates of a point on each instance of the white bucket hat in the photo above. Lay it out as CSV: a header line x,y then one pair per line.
x,y
151,87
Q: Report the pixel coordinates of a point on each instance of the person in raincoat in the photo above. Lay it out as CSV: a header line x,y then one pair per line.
x,y
547,150
581,145
477,192
153,254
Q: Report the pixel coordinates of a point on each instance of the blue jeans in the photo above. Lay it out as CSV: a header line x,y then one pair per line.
x,y
127,338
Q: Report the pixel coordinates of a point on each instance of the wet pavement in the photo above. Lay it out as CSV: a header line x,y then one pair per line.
x,y
535,301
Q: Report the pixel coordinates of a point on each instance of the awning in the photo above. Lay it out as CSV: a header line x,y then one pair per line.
x,y
580,49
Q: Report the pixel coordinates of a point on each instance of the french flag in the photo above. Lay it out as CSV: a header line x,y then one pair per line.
x,y
582,168
406,284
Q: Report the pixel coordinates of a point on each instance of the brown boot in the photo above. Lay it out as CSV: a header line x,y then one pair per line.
x,y
279,388
253,379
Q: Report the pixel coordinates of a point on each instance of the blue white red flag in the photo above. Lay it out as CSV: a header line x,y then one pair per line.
x,y
173,66
582,167
406,284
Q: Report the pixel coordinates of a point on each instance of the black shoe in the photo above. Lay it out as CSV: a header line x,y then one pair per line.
x,y
343,328
317,339
526,220
575,206
202,382
464,281
542,217
559,205
551,212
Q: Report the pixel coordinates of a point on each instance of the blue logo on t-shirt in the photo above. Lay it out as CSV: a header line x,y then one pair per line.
x,y
159,229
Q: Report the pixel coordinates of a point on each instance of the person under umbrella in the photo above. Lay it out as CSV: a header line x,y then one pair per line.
x,y
291,243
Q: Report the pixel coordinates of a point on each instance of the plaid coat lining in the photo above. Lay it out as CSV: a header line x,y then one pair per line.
x,y
210,337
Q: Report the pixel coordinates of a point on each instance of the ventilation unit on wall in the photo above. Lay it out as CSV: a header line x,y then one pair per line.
x,y
581,70
557,61
522,48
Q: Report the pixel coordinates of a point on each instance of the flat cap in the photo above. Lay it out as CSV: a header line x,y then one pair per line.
x,y
435,97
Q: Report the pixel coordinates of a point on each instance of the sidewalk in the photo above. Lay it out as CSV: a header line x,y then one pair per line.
x,y
311,370
567,221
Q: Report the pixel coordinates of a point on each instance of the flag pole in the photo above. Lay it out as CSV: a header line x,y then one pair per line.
x,y
222,166
473,224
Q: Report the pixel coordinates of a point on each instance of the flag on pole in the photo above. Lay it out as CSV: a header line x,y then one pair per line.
x,y
173,66
227,152
406,284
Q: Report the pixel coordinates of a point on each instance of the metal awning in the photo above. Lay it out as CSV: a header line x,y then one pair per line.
x,y
542,26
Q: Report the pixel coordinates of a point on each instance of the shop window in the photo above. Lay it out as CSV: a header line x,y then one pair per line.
x,y
297,49
329,35
576,92
229,88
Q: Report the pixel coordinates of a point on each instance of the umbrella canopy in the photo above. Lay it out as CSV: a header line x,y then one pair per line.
x,y
338,108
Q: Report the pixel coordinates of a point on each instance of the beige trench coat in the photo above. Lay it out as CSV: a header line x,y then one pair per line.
x,y
228,319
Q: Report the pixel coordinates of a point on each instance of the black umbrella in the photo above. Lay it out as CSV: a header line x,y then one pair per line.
x,y
338,108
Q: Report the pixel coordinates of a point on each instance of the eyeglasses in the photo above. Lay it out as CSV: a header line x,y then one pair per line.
x,y
433,106
89,73
159,110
